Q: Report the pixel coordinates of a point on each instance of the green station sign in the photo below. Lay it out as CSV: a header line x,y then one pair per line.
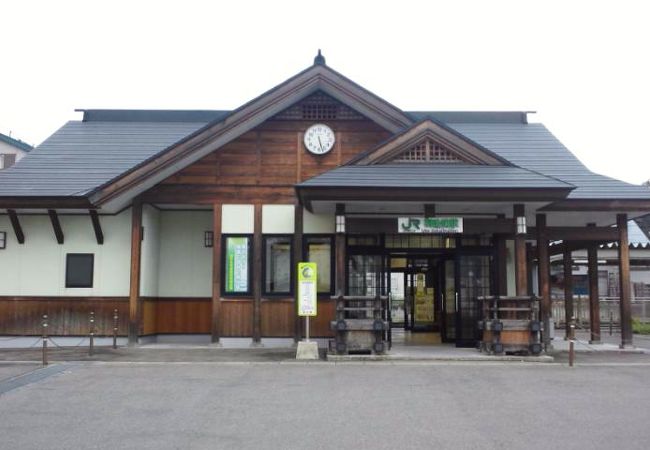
x,y
438,225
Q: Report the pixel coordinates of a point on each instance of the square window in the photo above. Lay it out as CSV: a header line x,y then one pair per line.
x,y
277,265
320,251
79,270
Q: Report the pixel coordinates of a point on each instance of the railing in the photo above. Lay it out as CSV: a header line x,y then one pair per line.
x,y
609,310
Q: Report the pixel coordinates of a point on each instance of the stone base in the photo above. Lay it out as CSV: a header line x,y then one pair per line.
x,y
307,350
626,346
595,342
256,344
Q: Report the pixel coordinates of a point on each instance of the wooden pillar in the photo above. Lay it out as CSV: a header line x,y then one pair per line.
x,y
257,276
340,255
568,289
521,274
502,264
216,273
15,224
624,276
544,275
134,287
594,302
297,257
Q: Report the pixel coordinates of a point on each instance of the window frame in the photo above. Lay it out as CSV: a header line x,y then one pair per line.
x,y
224,252
292,263
3,240
68,285
305,254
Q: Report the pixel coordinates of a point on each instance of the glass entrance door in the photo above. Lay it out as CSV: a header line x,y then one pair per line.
x,y
473,281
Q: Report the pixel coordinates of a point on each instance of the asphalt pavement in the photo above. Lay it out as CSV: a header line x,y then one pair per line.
x,y
275,405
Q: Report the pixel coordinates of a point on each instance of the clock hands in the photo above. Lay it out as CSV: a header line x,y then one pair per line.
x,y
320,143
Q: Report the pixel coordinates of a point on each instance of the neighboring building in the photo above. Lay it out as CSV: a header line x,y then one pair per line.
x,y
191,222
12,150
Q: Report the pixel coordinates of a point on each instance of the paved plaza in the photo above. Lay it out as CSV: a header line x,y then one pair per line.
x,y
278,404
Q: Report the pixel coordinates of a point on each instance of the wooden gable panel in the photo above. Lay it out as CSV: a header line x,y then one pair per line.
x,y
272,156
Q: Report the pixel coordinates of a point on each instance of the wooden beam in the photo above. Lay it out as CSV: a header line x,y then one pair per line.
x,y
624,276
97,226
530,259
15,224
340,256
594,302
429,210
134,286
544,276
582,233
216,326
568,291
297,257
257,275
521,272
599,205
56,225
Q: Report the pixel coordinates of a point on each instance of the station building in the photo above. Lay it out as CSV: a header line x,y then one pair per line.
x,y
191,222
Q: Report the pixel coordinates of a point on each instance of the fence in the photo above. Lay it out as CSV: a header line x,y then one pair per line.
x,y
609,310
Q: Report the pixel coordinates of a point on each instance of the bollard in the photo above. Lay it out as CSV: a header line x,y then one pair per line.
x,y
572,339
115,329
44,324
92,333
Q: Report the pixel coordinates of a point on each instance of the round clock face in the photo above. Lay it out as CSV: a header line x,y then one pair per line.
x,y
319,139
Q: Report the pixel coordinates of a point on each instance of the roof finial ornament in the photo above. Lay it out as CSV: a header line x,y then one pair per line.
x,y
319,60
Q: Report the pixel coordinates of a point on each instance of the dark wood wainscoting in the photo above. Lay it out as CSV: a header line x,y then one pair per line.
x,y
237,318
319,326
67,316
277,318
165,315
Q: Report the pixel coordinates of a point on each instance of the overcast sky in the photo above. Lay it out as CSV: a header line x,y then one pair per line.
x,y
584,66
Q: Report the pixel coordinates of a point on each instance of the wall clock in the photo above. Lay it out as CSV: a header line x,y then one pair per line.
x,y
319,139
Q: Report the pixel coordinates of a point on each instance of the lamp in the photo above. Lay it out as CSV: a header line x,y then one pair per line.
x,y
521,225
340,223
208,239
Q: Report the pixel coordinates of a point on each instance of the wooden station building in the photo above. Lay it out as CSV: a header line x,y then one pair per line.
x,y
192,222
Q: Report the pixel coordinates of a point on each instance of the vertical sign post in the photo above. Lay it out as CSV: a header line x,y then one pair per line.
x,y
307,285
307,290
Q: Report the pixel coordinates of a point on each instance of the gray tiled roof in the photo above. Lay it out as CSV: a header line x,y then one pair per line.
x,y
434,176
535,148
81,156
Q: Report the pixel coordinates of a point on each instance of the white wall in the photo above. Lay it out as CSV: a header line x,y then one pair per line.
x,y
37,267
10,149
185,264
318,223
150,252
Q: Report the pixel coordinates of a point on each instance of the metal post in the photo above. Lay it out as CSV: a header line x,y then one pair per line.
x,y
306,328
44,324
92,333
611,322
572,339
115,329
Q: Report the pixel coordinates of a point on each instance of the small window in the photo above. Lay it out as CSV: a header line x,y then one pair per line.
x,y
237,265
3,240
79,270
319,250
277,265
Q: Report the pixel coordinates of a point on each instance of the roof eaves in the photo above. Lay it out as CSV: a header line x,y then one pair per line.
x,y
24,146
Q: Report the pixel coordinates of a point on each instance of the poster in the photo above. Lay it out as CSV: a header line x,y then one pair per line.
x,y
307,285
237,264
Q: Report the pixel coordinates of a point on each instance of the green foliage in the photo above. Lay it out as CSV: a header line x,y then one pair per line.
x,y
639,327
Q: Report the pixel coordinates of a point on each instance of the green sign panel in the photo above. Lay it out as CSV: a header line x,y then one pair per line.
x,y
237,264
307,288
439,225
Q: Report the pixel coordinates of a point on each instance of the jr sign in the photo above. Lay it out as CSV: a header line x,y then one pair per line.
x,y
440,225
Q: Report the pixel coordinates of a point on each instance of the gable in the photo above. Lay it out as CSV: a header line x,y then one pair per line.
x,y
118,192
429,142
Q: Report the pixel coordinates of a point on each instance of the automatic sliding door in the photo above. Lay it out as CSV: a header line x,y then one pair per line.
x,y
473,282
